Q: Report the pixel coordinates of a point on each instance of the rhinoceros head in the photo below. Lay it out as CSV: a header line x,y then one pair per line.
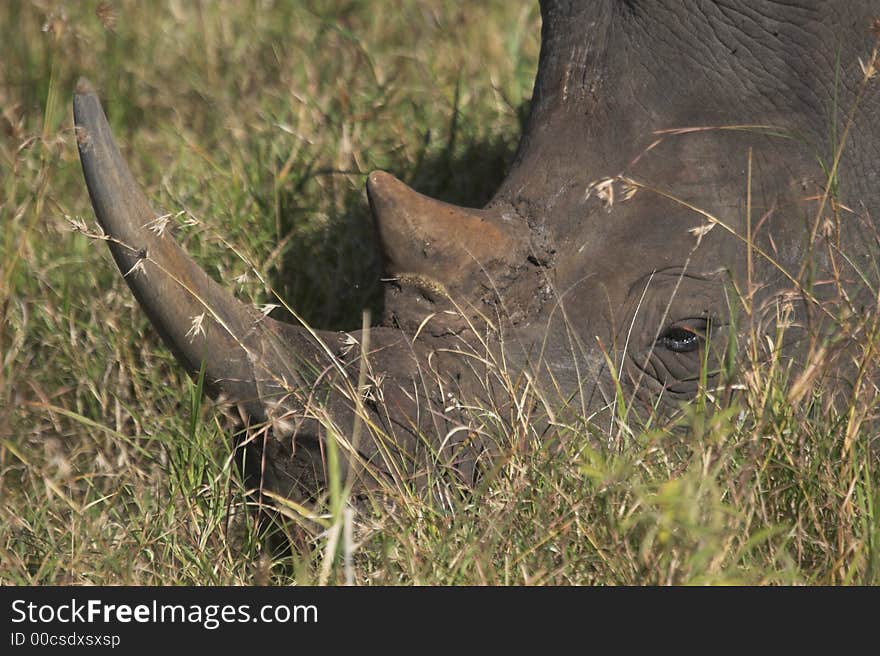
x,y
671,169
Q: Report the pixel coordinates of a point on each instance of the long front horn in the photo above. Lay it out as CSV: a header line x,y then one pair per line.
x,y
198,319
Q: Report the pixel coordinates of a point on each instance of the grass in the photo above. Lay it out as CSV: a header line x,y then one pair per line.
x,y
259,127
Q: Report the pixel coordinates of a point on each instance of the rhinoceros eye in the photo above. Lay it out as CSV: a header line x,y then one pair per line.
x,y
684,336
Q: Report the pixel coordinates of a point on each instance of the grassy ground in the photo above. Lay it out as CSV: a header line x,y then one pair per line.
x,y
259,121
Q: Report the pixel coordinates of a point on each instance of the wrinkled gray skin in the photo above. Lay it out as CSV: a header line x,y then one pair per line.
x,y
566,279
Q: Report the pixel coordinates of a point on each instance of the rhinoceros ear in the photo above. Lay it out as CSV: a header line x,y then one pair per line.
x,y
452,245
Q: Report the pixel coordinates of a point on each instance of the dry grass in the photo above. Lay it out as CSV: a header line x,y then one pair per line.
x,y
255,124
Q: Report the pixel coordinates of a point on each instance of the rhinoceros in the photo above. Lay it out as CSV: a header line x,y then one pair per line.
x,y
680,167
